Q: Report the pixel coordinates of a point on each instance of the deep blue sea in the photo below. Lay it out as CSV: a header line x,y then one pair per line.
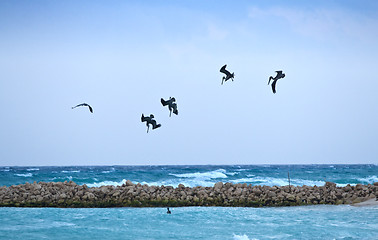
x,y
309,222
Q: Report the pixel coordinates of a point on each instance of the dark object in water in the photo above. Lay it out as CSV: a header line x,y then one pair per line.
x,y
228,74
84,104
278,76
168,211
171,105
149,120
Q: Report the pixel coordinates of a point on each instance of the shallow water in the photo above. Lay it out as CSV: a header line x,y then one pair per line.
x,y
308,222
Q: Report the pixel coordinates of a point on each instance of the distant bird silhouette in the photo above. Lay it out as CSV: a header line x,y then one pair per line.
x,y
149,120
171,105
84,104
275,79
168,211
228,74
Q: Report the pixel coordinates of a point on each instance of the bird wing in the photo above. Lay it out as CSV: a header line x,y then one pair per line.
x,y
274,86
143,118
79,105
279,72
223,70
84,105
163,102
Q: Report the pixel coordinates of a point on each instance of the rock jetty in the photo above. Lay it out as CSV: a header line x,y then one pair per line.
x,y
70,195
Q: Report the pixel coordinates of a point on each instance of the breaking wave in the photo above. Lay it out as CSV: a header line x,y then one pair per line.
x,y
32,169
369,180
106,183
269,181
24,174
220,173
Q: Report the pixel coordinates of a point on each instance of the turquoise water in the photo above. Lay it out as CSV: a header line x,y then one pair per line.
x,y
192,176
309,222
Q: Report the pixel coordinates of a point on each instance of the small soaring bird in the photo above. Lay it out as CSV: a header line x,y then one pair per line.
x,y
228,74
171,105
84,104
149,120
278,76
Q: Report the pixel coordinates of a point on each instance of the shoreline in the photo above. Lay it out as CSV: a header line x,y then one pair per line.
x,y
367,203
70,195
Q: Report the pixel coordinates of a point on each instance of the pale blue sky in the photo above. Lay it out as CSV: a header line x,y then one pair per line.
x,y
121,57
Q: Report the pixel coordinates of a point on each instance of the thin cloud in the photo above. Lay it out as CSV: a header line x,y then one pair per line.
x,y
322,24
216,33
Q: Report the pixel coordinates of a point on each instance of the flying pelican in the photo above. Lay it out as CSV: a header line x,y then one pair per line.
x,y
228,74
171,105
84,104
278,76
149,120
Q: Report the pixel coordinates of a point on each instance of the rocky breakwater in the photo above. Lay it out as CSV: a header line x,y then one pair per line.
x,y
69,194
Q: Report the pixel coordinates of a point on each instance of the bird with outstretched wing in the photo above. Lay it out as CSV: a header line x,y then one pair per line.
x,y
85,105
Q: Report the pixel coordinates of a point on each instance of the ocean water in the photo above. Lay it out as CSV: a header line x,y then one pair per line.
x,y
305,222
191,176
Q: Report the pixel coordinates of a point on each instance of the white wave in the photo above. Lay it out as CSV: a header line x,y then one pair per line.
x,y
369,180
220,173
242,237
32,169
62,178
24,175
269,181
106,183
301,182
109,171
73,171
242,169
187,183
345,184
232,173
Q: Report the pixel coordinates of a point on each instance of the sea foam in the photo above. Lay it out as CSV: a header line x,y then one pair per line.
x,y
270,181
24,174
32,169
242,237
369,180
106,183
220,173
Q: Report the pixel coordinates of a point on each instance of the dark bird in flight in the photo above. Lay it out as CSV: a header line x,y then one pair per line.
x,y
168,211
149,120
278,76
84,104
228,74
171,105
